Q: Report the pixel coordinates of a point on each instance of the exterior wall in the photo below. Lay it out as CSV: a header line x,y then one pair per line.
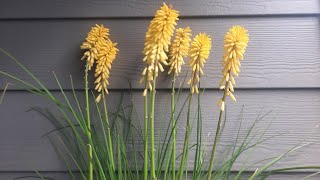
x,y
281,70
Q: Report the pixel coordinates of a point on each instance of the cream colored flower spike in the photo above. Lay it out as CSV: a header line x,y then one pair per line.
x,y
157,41
179,49
236,41
199,53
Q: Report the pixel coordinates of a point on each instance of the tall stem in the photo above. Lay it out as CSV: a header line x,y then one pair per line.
x,y
173,159
153,94
110,149
216,139
88,125
214,146
199,133
145,134
186,140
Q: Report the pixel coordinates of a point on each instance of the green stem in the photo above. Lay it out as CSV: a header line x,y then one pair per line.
x,y
89,126
173,159
186,141
145,143
214,147
153,93
110,149
199,133
217,134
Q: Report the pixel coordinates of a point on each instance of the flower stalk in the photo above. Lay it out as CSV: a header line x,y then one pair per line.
x,y
145,134
179,49
236,41
157,41
199,136
90,146
152,110
214,149
145,162
102,52
199,52
96,34
174,130
110,149
186,141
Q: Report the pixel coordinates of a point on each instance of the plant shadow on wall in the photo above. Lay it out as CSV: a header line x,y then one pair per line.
x,y
99,142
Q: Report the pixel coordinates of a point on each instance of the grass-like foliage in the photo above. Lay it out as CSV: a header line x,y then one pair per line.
x,y
84,146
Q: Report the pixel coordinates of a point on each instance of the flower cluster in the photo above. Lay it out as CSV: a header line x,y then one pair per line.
x,y
96,34
199,52
102,51
236,41
157,41
107,54
179,49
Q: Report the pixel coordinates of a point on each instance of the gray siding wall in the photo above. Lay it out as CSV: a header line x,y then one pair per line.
x,y
281,71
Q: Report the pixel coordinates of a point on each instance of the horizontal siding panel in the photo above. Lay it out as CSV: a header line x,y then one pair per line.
x,y
12,9
295,113
283,52
34,176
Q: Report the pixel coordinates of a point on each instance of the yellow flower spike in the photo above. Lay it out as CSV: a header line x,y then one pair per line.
x,y
179,49
102,51
199,53
107,52
157,41
236,41
96,33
